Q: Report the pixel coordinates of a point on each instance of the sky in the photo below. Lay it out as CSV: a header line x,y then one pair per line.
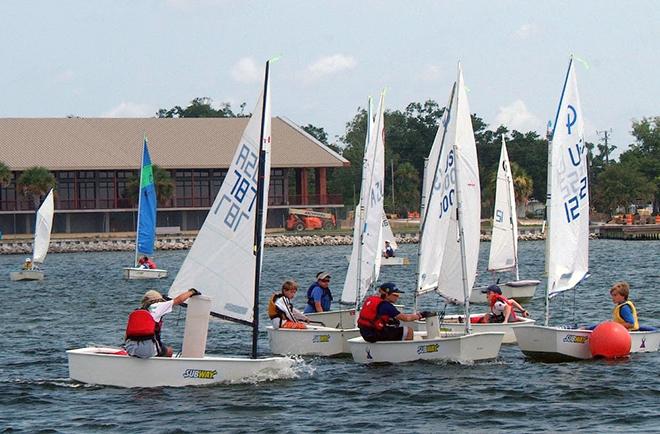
x,y
128,58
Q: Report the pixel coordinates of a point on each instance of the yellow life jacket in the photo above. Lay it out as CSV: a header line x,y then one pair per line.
x,y
616,314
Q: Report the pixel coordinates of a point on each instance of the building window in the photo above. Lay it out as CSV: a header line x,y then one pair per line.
x,y
86,190
8,195
66,190
276,190
201,188
184,188
122,179
106,189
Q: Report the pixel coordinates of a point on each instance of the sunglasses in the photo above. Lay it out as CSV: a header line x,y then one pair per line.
x,y
325,280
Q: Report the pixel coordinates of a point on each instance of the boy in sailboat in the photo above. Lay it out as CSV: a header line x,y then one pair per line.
x,y
502,309
379,319
281,311
146,262
319,296
624,311
145,324
27,265
389,251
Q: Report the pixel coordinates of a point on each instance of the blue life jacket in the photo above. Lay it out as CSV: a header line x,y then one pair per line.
x,y
310,300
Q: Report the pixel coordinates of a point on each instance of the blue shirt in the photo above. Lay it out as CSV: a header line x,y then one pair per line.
x,y
318,294
387,308
626,314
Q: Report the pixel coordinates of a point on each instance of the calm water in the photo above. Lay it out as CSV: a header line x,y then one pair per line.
x,y
84,301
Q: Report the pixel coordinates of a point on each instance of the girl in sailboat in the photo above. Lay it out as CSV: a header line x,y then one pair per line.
x,y
145,323
502,309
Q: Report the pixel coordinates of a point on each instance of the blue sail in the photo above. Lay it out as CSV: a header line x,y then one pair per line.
x,y
146,233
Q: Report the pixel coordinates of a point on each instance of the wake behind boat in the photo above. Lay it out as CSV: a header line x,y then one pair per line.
x,y
42,229
229,287
144,268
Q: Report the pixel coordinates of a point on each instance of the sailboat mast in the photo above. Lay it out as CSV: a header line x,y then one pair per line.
x,y
137,227
258,224
422,209
548,202
461,240
511,199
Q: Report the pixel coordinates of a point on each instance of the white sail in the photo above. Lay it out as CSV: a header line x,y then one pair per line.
x,y
568,258
42,229
440,265
221,263
504,239
368,238
388,234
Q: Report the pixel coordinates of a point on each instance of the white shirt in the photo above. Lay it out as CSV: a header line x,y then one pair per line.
x,y
157,310
291,313
499,307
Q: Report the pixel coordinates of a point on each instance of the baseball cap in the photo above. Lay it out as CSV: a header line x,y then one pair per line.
x,y
390,288
322,275
493,288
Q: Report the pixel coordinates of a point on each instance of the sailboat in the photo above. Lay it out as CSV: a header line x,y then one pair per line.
x,y
146,222
42,229
567,252
448,248
388,235
504,241
224,264
363,268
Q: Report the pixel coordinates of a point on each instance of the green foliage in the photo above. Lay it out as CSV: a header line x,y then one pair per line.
x,y
407,188
35,182
162,181
5,175
317,132
621,184
200,107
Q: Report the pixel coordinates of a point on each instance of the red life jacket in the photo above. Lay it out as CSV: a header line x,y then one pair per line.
x,y
503,299
141,326
151,264
368,318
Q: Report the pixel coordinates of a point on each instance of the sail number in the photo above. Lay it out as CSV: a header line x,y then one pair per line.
x,y
237,204
444,184
572,205
499,216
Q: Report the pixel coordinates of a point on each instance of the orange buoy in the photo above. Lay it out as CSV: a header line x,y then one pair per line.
x,y
610,340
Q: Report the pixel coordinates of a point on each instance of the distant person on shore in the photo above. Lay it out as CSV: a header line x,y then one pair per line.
x,y
27,265
389,250
502,309
145,324
379,320
319,297
281,311
147,263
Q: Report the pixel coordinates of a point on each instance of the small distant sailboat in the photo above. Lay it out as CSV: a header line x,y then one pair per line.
x,y
567,252
224,264
146,222
42,230
388,235
504,241
448,248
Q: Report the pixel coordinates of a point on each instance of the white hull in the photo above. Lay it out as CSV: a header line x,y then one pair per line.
x,y
94,365
342,318
521,290
553,344
644,342
396,260
27,275
133,273
453,348
455,324
320,341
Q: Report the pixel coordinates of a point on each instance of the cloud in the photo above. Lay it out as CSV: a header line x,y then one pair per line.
x,y
190,5
246,71
64,76
526,30
515,116
430,73
130,110
328,65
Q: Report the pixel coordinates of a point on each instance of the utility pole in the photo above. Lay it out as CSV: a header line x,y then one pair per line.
x,y
606,135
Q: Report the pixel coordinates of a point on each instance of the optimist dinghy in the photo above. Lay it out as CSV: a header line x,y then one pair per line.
x,y
42,229
448,248
567,245
146,222
363,269
234,228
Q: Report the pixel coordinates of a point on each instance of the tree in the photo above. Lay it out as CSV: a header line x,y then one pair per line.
x,y
644,155
408,188
201,107
317,132
162,181
35,182
5,175
620,185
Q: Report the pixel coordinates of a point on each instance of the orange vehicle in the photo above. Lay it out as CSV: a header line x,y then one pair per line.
x,y
305,219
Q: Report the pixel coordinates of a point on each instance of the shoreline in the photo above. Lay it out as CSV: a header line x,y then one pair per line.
x,y
98,243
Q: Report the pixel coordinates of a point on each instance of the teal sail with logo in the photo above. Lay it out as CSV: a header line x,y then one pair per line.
x,y
146,223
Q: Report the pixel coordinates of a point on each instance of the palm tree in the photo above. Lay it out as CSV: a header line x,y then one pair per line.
x,y
162,181
5,175
35,182
523,184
